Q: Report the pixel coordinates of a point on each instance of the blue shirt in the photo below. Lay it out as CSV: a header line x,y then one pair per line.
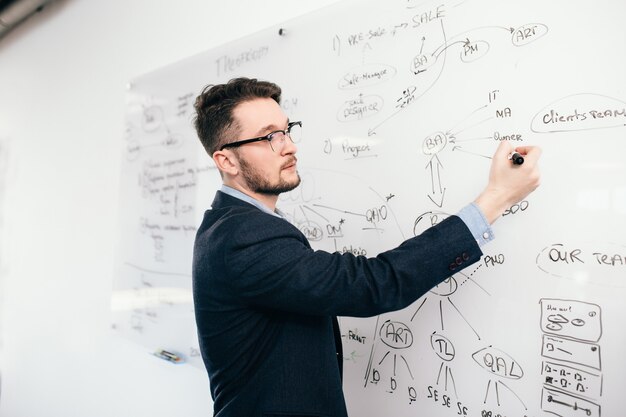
x,y
477,223
471,215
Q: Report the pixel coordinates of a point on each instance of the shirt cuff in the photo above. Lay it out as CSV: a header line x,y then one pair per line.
x,y
476,222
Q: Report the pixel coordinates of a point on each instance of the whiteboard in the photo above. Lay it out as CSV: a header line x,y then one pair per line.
x,y
403,103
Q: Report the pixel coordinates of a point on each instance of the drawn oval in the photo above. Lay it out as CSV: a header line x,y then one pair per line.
x,y
445,288
422,62
311,230
555,327
582,111
396,335
586,262
557,318
528,33
427,220
360,108
578,322
366,75
474,51
442,346
434,143
498,363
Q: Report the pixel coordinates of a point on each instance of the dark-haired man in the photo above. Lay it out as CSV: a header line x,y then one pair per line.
x,y
265,302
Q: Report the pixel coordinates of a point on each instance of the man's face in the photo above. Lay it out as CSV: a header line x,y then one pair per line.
x,y
264,170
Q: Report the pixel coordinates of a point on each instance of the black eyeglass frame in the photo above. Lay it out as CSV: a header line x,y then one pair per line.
x,y
267,137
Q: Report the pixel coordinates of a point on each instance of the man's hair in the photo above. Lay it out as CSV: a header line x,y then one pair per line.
x,y
214,106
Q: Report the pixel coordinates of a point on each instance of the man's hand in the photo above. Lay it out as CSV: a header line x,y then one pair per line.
x,y
509,183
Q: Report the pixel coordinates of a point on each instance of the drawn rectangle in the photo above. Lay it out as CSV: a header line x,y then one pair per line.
x,y
572,380
573,351
570,318
566,405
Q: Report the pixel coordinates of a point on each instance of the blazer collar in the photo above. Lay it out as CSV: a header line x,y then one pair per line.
x,y
238,195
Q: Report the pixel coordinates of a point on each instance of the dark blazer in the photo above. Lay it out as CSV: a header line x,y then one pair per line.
x,y
265,304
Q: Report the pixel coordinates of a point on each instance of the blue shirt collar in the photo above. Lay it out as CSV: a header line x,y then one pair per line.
x,y
244,197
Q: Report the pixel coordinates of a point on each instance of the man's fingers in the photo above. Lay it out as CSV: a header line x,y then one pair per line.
x,y
531,152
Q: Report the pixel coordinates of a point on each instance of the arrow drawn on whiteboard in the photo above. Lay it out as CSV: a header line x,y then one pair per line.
x,y
310,209
468,116
465,43
440,203
455,140
508,29
468,127
437,189
339,210
432,173
458,147
372,131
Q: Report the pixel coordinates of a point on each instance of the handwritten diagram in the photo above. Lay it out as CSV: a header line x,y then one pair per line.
x,y
403,104
572,330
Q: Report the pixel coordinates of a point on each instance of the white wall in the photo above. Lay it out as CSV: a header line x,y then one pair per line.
x,y
62,84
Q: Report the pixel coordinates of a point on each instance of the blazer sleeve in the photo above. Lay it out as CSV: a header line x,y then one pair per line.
x,y
269,264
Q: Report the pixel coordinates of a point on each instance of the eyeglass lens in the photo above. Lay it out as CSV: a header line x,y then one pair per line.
x,y
278,138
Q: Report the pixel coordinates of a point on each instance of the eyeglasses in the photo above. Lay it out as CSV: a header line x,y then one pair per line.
x,y
276,138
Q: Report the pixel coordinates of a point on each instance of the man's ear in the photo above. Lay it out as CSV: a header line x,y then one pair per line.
x,y
226,162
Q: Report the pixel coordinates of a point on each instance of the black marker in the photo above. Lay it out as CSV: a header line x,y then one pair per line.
x,y
168,356
517,158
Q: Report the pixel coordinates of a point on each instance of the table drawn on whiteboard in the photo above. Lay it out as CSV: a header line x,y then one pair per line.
x,y
572,369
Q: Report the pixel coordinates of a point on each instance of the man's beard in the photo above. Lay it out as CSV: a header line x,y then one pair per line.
x,y
258,184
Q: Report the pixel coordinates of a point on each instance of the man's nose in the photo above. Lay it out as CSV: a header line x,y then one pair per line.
x,y
289,147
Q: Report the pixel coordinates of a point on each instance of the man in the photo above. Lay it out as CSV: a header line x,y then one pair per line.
x,y
265,302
